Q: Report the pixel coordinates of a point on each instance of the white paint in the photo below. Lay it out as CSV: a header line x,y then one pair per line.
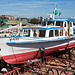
x,y
31,32
47,33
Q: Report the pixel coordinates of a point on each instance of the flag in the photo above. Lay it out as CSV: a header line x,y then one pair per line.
x,y
55,12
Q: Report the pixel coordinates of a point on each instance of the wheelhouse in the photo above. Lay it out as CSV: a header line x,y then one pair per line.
x,y
54,23
68,24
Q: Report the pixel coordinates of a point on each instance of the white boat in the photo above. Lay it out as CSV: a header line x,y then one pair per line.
x,y
55,35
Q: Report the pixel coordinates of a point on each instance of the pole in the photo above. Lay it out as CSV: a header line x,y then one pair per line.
x,y
42,51
70,54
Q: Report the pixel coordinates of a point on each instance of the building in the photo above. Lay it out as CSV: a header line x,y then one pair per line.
x,y
10,17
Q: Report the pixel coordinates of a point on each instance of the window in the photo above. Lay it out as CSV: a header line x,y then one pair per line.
x,y
61,32
35,33
73,24
65,24
44,23
51,33
26,33
56,33
51,23
59,23
70,24
42,33
73,31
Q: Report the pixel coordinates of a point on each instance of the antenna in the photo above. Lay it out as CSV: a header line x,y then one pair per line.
x,y
55,5
55,12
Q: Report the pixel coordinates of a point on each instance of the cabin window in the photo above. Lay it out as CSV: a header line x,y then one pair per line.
x,y
65,24
61,32
51,23
35,33
1,32
43,23
42,33
73,31
73,24
56,33
26,33
51,33
59,23
70,24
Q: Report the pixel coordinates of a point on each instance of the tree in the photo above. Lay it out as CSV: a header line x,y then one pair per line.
x,y
3,20
34,21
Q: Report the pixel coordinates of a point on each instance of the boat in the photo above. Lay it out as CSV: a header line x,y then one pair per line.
x,y
52,35
55,35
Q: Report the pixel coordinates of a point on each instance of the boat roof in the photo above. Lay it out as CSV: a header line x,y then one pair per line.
x,y
71,20
43,28
56,20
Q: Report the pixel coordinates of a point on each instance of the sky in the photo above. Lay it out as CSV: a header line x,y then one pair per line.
x,y
37,8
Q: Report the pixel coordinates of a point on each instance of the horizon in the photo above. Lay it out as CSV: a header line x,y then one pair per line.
x,y
34,9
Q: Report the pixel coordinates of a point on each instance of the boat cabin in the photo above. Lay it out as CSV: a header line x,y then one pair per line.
x,y
51,28
68,24
43,32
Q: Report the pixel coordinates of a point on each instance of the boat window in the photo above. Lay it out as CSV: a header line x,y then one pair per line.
x,y
42,33
43,23
59,23
1,32
56,33
73,24
35,33
51,33
73,31
70,24
51,23
61,32
26,33
65,24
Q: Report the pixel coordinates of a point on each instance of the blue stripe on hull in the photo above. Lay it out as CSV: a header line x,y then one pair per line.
x,y
40,44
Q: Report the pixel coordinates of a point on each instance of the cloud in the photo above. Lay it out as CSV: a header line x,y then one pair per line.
x,y
15,4
32,7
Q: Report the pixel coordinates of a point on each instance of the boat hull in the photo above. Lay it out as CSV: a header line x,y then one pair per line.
x,y
39,44
17,55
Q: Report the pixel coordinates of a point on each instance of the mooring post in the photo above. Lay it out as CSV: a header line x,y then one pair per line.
x,y
42,51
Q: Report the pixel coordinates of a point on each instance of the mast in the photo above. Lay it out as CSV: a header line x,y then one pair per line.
x,y
54,11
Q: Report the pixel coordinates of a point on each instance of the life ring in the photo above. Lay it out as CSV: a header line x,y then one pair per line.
x,y
65,33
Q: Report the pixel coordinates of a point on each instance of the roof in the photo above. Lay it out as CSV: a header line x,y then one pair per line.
x,y
42,28
71,20
16,22
56,20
